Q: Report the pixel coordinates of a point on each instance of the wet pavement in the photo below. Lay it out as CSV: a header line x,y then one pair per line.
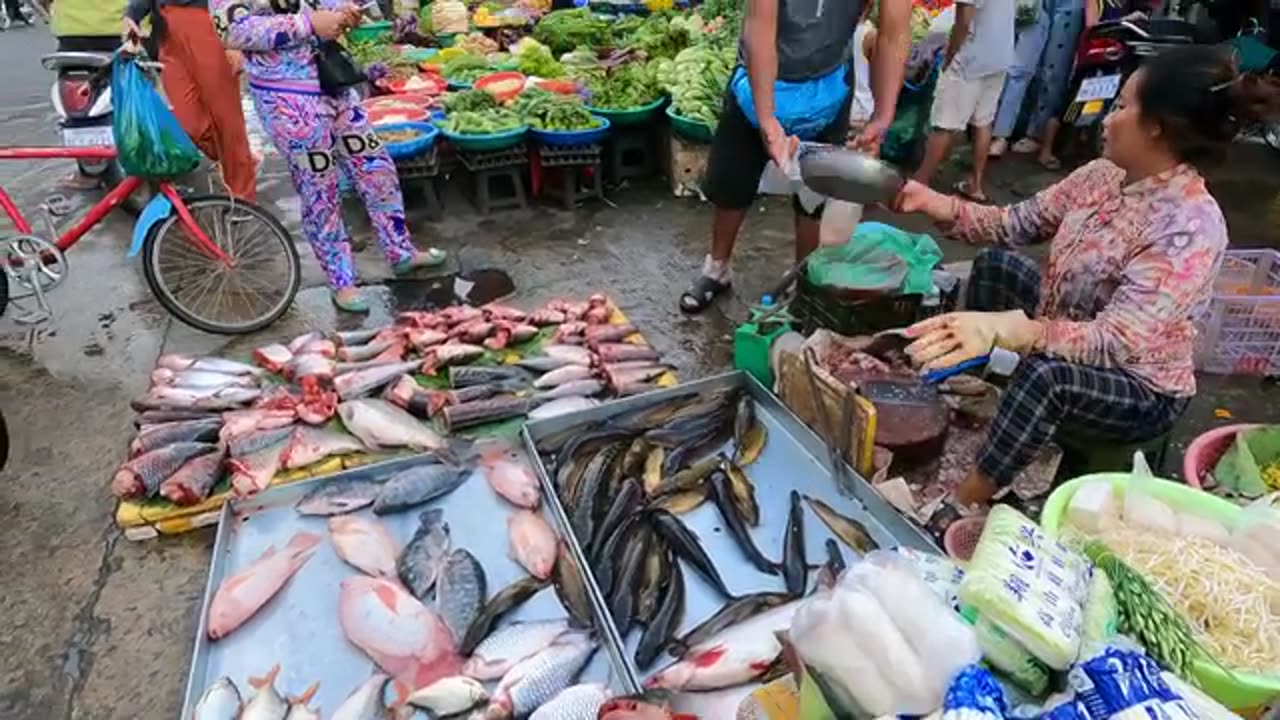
x,y
101,627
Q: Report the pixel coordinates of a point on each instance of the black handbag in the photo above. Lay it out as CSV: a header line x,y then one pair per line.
x,y
336,69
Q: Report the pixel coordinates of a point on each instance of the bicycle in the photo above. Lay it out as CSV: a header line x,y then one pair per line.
x,y
218,264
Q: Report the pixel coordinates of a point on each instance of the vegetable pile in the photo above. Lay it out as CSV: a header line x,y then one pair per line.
x,y
466,68
564,30
481,122
551,111
468,101
627,86
697,79
535,60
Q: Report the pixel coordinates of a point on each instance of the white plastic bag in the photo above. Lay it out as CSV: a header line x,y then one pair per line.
x,y
839,218
827,644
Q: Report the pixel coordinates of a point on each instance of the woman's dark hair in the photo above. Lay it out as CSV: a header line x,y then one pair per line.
x,y
1200,101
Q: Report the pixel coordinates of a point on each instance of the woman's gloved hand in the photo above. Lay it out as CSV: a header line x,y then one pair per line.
x,y
950,339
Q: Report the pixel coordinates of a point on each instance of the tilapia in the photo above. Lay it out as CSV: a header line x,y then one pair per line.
x,y
423,558
795,567
159,435
175,361
220,701
174,398
622,352
449,696
142,475
736,611
504,601
252,442
299,708
244,593
364,544
511,644
310,445
365,702
357,353
339,496
253,472
533,543
579,702
402,636
576,388
542,363
417,485
360,383
571,590
511,478
378,423
192,482
266,703
535,681
272,357
682,540
480,412
560,376
849,531
561,406
597,334
735,656
355,337
449,354
461,589
660,631
737,524
572,354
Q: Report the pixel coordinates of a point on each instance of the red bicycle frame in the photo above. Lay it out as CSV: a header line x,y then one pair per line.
x,y
104,206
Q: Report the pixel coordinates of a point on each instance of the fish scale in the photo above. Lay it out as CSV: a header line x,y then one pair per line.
x,y
580,702
418,485
515,642
339,496
422,559
540,678
460,592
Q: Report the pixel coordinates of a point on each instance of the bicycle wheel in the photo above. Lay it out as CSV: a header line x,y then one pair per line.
x,y
206,294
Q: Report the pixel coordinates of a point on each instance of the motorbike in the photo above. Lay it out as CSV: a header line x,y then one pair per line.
x,y
1110,52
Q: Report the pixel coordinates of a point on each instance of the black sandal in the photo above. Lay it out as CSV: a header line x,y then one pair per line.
x,y
700,294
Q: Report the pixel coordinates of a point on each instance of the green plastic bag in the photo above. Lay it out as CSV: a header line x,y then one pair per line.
x,y
149,140
1240,469
878,258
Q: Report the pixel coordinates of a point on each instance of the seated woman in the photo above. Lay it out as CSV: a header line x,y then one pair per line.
x,y
319,133
1136,239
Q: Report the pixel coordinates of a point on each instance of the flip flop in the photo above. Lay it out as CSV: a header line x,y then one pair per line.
x,y
1052,163
1025,146
700,294
357,304
431,257
963,189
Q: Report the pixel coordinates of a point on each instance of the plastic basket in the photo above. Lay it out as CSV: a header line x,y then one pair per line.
x,y
560,138
629,116
1239,690
962,537
1206,450
693,130
370,32
411,148
488,141
1239,332
816,307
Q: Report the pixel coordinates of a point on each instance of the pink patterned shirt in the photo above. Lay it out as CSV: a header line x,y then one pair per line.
x,y
1129,266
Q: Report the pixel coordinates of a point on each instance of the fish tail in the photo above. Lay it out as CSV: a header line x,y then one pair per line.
x,y
259,682
303,541
305,697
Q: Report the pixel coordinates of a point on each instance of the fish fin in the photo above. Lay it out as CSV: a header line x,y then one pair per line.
x,y
395,693
303,541
259,682
305,697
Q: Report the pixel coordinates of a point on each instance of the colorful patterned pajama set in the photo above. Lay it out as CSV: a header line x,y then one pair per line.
x,y
318,134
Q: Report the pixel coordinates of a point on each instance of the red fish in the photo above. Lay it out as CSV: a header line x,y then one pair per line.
x,y
403,637
244,593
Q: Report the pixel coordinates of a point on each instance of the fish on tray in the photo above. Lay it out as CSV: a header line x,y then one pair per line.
x,y
241,422
533,682
267,703
220,701
339,496
533,543
621,352
417,485
659,632
562,406
165,397
379,424
449,354
299,707
571,589
272,357
795,567
571,354
685,543
360,383
504,601
200,379
739,654
177,362
364,544
849,531
405,638
468,375
461,589
562,375
579,702
308,445
244,593
480,412
161,434
252,473
142,476
511,477
737,523
423,558
749,435
511,644
365,702
734,612
448,696
576,388
192,482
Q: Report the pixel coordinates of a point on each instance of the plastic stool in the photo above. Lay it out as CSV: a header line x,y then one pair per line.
x,y
424,171
496,175
1085,455
574,173
631,153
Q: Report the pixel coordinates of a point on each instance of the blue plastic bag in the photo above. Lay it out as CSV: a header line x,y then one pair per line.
x,y
803,109
149,141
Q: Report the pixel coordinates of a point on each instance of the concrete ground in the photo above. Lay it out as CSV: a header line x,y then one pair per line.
x,y
99,627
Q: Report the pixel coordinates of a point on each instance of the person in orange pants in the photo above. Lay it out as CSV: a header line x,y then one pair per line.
x,y
201,82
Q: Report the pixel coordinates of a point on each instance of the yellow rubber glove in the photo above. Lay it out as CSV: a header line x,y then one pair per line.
x,y
950,339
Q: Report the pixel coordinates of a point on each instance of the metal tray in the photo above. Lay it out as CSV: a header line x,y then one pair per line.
x,y
794,458
299,627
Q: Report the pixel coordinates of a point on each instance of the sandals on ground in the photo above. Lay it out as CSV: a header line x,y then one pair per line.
x,y
431,257
1050,163
355,302
966,191
700,294
1025,146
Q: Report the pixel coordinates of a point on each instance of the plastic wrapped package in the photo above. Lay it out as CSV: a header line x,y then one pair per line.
x,y
1029,585
827,644
938,572
1101,613
1092,506
1125,683
974,695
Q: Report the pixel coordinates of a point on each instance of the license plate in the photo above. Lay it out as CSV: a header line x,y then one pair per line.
x,y
87,137
1093,107
1098,88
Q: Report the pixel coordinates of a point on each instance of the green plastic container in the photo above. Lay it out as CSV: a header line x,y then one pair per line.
x,y
630,116
691,130
371,32
1238,691
446,40
490,141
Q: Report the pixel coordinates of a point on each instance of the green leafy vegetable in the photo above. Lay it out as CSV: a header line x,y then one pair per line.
x,y
481,122
627,86
552,111
564,30
697,79
536,60
468,101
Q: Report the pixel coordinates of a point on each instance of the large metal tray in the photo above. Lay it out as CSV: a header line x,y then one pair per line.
x,y
794,458
299,627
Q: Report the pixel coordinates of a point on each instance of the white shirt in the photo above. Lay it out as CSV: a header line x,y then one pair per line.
x,y
989,48
864,102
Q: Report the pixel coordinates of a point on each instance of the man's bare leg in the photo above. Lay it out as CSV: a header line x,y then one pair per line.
x,y
725,225
935,151
981,146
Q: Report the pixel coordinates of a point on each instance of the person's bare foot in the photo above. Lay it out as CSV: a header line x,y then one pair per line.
x,y
998,146
1049,162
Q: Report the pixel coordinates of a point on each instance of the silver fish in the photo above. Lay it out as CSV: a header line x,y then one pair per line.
x,y
535,681
542,363
364,382
175,361
419,484
573,354
141,476
461,590
335,497
257,440
576,388
172,398
220,701
159,435
354,337
511,644
424,557
579,702
266,703
365,702
192,482
560,376
310,445
200,379
356,353
561,406
449,696
380,424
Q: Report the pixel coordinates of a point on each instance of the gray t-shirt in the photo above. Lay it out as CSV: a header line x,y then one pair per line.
x,y
989,47
813,36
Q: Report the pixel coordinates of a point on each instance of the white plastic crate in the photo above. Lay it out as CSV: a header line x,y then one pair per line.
x,y
1239,332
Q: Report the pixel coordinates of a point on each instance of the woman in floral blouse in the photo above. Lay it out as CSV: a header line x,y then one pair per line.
x,y
1136,239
